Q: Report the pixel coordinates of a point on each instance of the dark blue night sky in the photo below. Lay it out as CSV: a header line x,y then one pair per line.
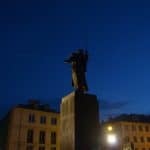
x,y
37,35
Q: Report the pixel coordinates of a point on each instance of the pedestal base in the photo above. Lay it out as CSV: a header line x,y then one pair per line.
x,y
79,122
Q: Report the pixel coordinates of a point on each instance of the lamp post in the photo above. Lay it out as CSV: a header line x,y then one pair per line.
x,y
110,138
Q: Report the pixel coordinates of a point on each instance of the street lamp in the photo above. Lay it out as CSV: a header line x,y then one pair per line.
x,y
111,139
109,128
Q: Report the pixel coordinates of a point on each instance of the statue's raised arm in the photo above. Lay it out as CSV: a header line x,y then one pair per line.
x,y
78,61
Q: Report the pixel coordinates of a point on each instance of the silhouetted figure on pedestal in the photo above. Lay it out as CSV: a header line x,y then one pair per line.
x,y
78,60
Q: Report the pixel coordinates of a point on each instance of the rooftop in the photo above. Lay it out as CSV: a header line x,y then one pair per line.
x,y
36,105
131,118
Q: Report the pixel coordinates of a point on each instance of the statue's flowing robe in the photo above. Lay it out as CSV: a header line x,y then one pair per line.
x,y
78,77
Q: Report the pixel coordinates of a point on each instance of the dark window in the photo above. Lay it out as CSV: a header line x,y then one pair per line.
x,y
41,148
42,137
29,147
148,139
30,136
53,148
140,128
146,128
53,121
135,139
132,145
142,139
43,120
31,118
53,137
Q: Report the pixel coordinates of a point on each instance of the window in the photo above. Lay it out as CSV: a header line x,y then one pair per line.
x,y
148,139
29,147
43,120
142,139
132,145
41,148
140,128
53,148
30,136
31,118
42,137
53,121
135,139
146,128
53,137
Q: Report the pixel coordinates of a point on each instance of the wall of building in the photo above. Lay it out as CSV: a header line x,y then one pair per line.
x,y
20,124
134,133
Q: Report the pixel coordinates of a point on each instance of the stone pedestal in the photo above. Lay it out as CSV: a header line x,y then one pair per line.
x,y
79,122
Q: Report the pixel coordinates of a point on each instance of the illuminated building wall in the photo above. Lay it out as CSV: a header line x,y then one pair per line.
x,y
134,132
33,129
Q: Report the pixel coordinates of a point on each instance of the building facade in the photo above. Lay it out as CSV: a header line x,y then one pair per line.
x,y
132,132
33,127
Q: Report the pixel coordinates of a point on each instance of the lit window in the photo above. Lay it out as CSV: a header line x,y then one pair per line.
x,y
43,120
53,137
30,136
42,137
53,121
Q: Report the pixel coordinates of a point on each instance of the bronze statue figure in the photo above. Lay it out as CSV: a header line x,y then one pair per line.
x,y
78,60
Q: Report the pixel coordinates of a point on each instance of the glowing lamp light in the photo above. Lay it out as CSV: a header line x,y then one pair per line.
x,y
109,128
111,139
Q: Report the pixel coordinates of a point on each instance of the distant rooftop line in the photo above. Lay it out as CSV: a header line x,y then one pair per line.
x,y
131,118
36,105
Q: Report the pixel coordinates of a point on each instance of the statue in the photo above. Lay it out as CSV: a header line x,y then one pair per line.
x,y
78,60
